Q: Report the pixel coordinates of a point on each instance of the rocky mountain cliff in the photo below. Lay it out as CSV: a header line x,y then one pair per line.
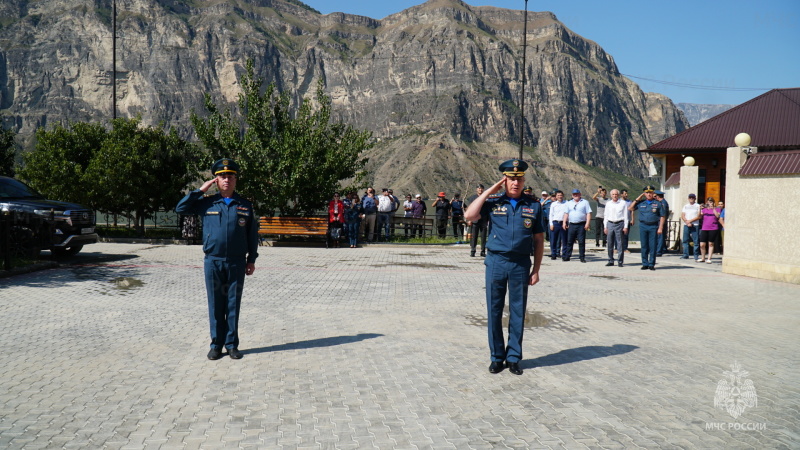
x,y
696,113
438,84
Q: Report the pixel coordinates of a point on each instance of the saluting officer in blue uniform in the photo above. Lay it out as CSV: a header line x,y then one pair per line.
x,y
230,242
515,224
651,222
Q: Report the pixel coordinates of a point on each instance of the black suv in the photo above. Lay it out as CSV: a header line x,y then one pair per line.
x,y
38,224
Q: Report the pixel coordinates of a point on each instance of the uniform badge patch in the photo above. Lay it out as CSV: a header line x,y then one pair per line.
x,y
528,223
242,221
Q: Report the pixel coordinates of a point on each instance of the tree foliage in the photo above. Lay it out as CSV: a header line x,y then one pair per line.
x,y
291,163
130,170
8,150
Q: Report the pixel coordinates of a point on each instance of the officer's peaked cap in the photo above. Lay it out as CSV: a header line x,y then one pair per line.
x,y
514,168
225,165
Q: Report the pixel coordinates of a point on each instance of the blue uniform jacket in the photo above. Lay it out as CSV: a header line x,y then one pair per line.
x,y
650,211
512,229
229,231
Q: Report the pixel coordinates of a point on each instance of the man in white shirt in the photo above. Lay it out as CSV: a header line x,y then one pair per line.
x,y
385,206
558,234
690,215
577,221
615,225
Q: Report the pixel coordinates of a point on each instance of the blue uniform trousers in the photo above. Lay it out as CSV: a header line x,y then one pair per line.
x,y
506,273
224,285
575,231
649,238
691,234
558,237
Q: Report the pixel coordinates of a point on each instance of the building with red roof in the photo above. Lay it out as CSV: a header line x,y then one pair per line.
x,y
752,179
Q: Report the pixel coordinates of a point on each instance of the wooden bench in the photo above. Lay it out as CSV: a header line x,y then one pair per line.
x,y
294,226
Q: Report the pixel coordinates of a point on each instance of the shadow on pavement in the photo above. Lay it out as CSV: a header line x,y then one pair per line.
x,y
81,267
314,343
577,354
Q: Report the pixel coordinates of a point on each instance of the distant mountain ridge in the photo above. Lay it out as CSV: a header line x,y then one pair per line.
x,y
438,83
696,112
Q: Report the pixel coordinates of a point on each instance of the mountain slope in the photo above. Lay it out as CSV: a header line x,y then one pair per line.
x,y
443,69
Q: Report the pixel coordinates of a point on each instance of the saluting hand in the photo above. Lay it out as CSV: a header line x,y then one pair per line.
x,y
207,185
494,189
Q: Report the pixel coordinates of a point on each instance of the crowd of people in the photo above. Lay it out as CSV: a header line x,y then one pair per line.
x,y
373,217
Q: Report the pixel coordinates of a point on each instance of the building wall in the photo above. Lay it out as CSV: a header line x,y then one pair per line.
x,y
714,165
760,243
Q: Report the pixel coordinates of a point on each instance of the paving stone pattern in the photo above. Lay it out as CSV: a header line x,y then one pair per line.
x,y
386,347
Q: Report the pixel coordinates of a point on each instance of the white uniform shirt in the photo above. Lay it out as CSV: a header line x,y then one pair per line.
x,y
385,203
692,213
616,211
557,211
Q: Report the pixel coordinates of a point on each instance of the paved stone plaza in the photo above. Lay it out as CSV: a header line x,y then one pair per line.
x,y
386,347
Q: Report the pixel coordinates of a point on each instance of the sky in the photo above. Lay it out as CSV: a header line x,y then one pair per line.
x,y
725,48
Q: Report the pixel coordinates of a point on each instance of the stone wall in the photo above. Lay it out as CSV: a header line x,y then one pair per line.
x,y
760,224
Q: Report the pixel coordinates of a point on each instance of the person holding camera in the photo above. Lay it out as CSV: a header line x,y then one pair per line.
x,y
601,199
442,205
709,229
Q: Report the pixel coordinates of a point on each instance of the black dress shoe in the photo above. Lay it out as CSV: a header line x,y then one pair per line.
x,y
652,268
620,264
483,254
565,259
583,260
644,268
553,257
235,353
497,366
609,264
472,254
514,368
214,354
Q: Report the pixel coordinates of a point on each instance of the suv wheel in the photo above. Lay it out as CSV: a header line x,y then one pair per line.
x,y
66,251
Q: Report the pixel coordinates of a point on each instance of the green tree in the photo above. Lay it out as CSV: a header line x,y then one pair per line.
x,y
130,170
57,164
290,163
8,150
140,170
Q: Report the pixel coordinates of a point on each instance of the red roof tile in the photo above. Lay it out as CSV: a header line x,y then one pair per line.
x,y
772,163
772,120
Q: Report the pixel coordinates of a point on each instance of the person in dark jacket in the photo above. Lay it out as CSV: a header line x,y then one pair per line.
x,y
516,227
230,244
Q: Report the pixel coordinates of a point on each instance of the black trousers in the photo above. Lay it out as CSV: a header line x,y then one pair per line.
x,y
576,231
598,230
477,228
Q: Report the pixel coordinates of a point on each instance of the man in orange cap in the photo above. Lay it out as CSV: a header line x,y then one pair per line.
x,y
442,205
